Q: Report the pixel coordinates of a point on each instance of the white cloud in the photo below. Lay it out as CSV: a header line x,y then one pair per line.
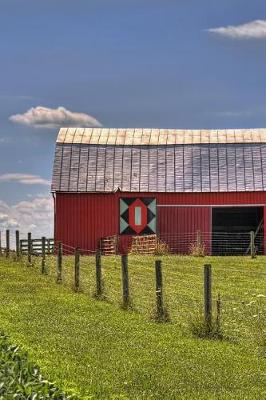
x,y
25,179
250,30
35,216
50,118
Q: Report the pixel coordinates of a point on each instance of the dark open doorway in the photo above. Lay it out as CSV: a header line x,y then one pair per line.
x,y
231,228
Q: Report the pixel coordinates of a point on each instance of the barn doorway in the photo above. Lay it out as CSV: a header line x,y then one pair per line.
x,y
231,228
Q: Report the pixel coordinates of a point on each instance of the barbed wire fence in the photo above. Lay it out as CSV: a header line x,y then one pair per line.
x,y
161,286
194,243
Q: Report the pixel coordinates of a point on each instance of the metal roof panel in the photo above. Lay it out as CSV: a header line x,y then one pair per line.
x,y
88,160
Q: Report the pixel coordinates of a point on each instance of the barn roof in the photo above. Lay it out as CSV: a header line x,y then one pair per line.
x,y
159,160
140,137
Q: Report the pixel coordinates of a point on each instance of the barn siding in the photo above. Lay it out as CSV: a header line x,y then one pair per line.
x,y
82,219
178,226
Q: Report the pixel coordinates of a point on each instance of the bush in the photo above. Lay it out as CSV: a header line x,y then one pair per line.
x,y
21,379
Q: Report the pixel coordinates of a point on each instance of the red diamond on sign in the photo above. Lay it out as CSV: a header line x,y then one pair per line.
x,y
137,215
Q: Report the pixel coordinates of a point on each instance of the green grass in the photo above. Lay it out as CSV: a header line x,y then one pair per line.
x,y
98,350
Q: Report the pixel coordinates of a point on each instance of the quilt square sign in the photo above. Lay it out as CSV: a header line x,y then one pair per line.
x,y
137,216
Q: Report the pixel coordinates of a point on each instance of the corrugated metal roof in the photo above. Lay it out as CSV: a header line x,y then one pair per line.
x,y
129,137
103,160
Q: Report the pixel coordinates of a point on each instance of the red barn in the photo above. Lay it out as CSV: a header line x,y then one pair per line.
x,y
172,183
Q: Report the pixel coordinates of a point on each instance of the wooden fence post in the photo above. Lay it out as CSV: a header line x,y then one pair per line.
x,y
77,268
43,263
0,243
17,245
208,295
252,244
159,290
7,243
59,263
29,250
98,264
125,282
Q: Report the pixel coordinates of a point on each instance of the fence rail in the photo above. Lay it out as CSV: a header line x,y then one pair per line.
x,y
36,246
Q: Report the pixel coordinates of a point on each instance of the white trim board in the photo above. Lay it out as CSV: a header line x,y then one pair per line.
x,y
211,205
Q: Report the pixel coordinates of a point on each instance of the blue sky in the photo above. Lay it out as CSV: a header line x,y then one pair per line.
x,y
126,63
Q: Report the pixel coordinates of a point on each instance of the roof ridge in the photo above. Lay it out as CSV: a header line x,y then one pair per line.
x,y
154,136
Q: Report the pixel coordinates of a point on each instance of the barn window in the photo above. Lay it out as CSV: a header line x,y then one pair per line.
x,y
137,216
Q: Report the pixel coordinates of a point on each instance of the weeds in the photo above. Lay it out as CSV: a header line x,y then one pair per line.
x,y
160,316
204,330
101,294
127,305
208,328
197,249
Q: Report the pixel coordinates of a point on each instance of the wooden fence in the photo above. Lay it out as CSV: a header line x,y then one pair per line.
x,y
27,246
36,246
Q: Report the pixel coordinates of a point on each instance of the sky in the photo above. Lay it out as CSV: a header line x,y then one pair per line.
x,y
118,63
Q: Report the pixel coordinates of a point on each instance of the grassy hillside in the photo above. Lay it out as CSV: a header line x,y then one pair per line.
x,y
103,352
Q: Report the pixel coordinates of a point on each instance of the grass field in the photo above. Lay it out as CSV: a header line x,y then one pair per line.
x,y
100,351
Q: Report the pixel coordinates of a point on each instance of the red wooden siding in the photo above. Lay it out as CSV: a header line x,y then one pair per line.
x,y
178,226
83,218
